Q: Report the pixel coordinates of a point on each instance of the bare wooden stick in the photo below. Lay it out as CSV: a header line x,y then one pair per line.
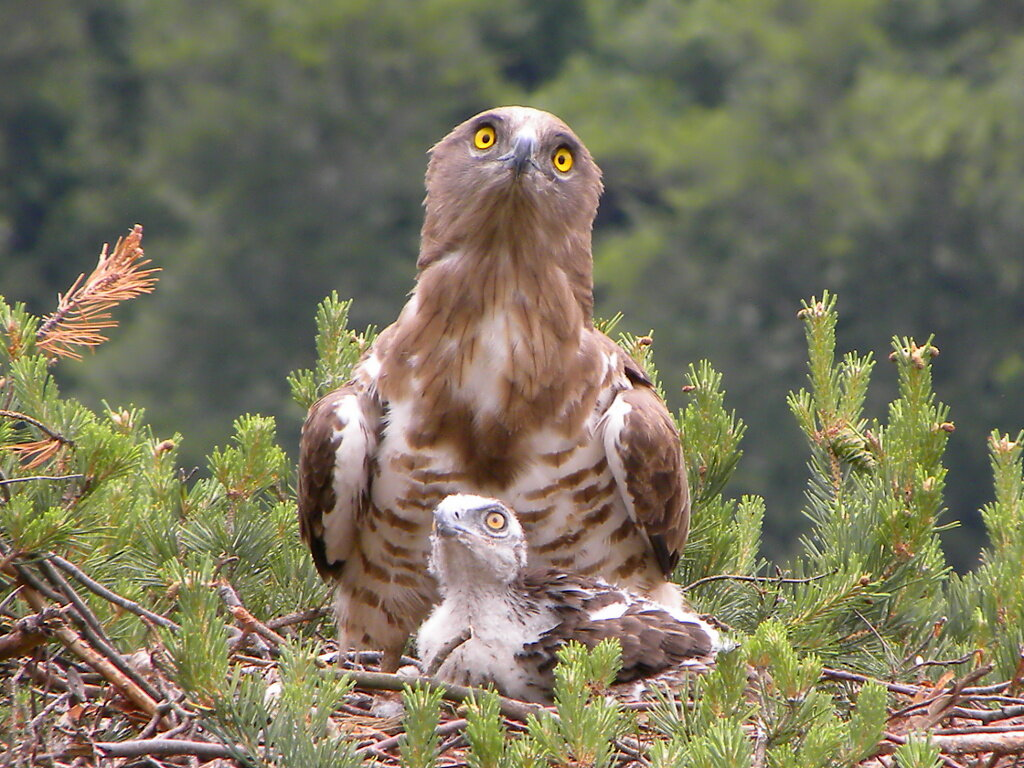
x,y
29,633
756,579
297,618
12,480
948,697
110,596
98,662
242,615
853,677
48,678
446,651
382,681
988,715
140,747
52,434
1011,728
94,631
452,726
1005,743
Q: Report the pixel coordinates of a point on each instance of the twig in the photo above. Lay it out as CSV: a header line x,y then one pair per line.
x,y
48,678
452,726
853,677
12,480
446,651
998,699
945,699
26,577
988,715
110,596
139,747
242,615
57,701
98,662
968,743
757,579
29,633
1012,728
888,748
943,662
297,618
362,658
986,689
635,753
382,681
94,631
935,632
875,632
52,434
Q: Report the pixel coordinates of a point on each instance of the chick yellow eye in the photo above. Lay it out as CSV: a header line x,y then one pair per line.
x,y
495,521
562,159
485,136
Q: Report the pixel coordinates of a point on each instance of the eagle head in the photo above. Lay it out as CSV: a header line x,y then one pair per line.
x,y
513,166
475,540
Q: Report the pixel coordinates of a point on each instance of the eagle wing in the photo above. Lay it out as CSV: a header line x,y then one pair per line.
x,y
652,639
643,450
336,453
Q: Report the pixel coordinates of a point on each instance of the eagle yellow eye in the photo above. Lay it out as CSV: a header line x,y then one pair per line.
x,y
495,521
484,138
562,159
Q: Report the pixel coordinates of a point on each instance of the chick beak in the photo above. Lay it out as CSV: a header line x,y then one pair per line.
x,y
446,526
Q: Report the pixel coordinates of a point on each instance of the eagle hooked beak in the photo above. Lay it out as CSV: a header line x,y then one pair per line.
x,y
521,156
445,524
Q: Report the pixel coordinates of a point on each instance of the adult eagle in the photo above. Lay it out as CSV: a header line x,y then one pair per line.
x,y
494,381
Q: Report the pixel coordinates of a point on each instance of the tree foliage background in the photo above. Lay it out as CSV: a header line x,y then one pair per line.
x,y
755,152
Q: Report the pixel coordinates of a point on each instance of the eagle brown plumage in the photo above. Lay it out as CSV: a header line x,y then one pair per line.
x,y
493,380
501,623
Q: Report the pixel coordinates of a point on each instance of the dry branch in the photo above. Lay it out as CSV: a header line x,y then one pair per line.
x,y
382,681
70,640
83,313
29,633
166,747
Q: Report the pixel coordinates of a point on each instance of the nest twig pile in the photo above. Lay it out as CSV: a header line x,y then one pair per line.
x,y
77,688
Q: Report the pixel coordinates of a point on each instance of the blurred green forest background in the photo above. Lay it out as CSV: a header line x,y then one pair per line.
x,y
755,152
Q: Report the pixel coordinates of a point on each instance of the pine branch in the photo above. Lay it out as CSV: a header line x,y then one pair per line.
x,y
83,313
757,579
13,480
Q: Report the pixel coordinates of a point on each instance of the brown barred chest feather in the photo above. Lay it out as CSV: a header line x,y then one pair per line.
x,y
573,515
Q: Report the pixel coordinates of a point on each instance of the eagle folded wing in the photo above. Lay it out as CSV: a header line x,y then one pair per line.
x,y
339,441
644,453
653,639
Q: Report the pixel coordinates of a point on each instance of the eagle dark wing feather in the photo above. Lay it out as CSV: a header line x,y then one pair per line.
x,y
646,456
338,442
652,640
